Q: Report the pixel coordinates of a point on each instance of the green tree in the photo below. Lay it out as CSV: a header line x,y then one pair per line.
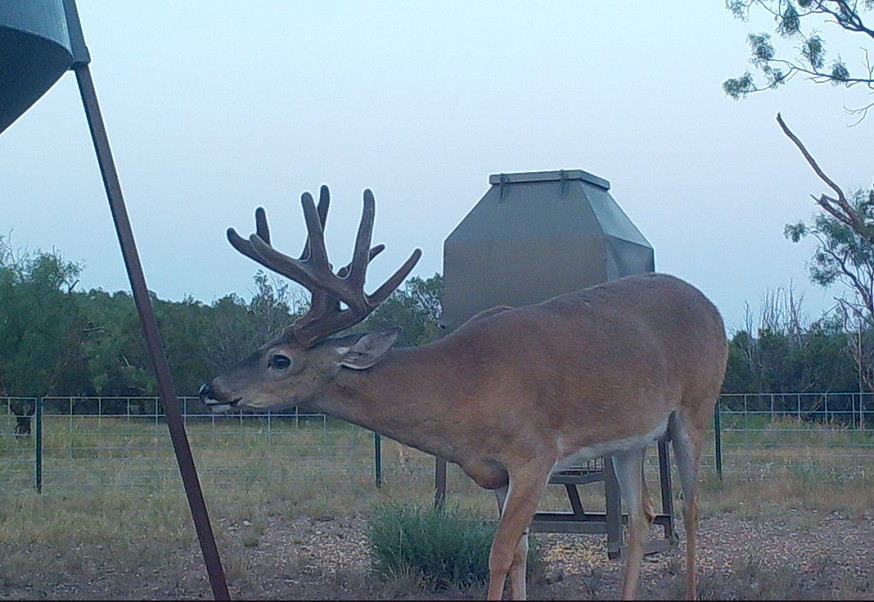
x,y
117,359
57,341
37,320
271,305
844,231
844,253
184,327
801,48
231,335
416,307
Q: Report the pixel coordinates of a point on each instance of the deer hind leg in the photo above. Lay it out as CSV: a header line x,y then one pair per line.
x,y
647,501
629,473
509,553
687,453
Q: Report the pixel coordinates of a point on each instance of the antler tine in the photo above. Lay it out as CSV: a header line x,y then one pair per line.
x,y
242,244
317,254
321,303
322,208
361,254
382,293
261,227
324,203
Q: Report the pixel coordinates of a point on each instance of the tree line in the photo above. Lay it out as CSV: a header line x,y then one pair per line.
x,y
59,341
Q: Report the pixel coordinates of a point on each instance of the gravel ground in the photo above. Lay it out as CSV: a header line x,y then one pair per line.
x,y
804,554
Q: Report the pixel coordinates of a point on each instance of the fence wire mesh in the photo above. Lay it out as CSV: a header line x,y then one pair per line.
x,y
17,445
93,442
62,443
765,433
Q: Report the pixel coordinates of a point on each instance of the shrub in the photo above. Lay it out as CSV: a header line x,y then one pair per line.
x,y
443,547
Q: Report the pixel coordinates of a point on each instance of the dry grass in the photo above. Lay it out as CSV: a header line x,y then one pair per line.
x,y
139,542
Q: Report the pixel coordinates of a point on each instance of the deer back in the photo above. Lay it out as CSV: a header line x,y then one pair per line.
x,y
604,363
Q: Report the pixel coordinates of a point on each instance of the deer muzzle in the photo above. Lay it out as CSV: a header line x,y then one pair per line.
x,y
213,402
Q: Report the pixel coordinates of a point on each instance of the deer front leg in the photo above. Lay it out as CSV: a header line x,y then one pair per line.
x,y
509,553
629,473
518,568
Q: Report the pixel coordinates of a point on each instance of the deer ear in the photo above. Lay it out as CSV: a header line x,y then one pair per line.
x,y
367,350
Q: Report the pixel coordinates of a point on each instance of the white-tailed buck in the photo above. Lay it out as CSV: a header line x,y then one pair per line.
x,y
510,396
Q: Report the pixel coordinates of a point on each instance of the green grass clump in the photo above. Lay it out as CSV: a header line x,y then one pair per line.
x,y
442,547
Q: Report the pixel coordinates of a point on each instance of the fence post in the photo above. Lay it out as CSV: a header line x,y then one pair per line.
x,y
37,446
377,459
717,438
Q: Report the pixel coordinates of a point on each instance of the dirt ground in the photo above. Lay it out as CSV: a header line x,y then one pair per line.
x,y
803,555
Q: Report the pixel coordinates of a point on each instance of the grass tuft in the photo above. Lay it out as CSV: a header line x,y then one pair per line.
x,y
444,548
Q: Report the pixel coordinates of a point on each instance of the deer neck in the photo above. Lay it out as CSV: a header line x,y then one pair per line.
x,y
406,396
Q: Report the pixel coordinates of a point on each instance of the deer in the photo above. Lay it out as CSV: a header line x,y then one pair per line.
x,y
510,396
23,411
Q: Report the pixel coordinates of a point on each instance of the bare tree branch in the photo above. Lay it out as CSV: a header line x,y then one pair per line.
x,y
839,207
846,16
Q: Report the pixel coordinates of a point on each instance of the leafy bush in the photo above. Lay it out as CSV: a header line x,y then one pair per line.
x,y
442,547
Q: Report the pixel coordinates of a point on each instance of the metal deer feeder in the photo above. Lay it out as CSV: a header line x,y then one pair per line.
x,y
39,41
531,237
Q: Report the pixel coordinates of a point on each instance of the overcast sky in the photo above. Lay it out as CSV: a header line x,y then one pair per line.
x,y
214,108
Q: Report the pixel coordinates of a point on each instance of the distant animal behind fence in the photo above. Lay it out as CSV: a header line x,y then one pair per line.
x,y
23,410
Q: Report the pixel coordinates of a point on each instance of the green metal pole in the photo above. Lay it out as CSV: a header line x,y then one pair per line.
x,y
718,438
37,446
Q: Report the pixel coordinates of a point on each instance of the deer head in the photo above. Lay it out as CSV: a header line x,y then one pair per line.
x,y
293,368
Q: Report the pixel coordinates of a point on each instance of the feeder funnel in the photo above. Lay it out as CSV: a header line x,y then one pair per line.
x,y
37,45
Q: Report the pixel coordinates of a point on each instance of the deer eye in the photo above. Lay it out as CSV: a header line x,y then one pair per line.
x,y
279,362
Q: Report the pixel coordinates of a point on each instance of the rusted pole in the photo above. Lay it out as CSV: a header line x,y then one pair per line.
x,y
166,389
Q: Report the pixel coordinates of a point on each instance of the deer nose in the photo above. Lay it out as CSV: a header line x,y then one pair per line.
x,y
205,392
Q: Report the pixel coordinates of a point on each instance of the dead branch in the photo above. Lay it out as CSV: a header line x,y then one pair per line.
x,y
839,207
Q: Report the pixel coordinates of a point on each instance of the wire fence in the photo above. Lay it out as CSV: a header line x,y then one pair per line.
x,y
74,442
91,442
758,435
